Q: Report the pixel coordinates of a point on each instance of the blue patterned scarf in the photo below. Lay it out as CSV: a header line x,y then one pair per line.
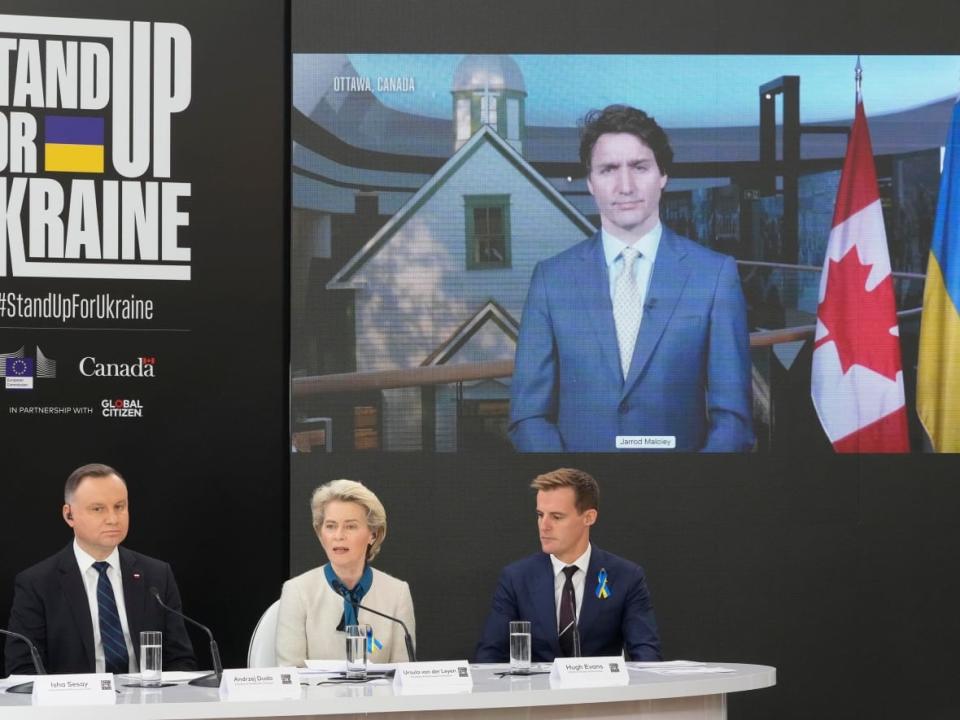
x,y
350,597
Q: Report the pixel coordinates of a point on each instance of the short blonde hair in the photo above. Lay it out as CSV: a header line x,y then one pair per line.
x,y
352,491
586,491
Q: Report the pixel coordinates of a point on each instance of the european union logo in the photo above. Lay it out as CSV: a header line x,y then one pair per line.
x,y
73,144
20,367
19,373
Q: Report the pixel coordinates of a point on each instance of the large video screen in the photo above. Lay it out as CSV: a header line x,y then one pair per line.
x,y
456,270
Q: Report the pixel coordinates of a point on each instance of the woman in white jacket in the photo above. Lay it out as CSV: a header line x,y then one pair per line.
x,y
316,606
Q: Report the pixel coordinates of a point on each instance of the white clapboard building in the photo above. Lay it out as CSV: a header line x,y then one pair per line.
x,y
445,279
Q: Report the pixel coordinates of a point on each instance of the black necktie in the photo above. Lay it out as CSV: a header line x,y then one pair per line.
x,y
568,613
115,654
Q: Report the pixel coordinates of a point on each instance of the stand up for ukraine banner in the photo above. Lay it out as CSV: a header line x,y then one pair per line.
x,y
938,375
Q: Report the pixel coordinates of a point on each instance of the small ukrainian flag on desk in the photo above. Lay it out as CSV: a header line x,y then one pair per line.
x,y
73,144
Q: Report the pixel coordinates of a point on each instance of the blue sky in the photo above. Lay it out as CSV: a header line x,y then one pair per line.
x,y
680,90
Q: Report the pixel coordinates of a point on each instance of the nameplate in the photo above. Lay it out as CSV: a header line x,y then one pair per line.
x,y
260,684
589,672
445,676
86,689
646,442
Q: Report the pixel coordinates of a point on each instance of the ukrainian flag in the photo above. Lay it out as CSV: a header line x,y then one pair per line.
x,y
938,375
73,144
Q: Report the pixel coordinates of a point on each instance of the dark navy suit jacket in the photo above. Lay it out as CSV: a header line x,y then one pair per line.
x,y
50,607
622,622
690,375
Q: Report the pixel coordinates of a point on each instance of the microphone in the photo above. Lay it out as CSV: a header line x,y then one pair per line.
x,y
27,687
213,679
407,639
576,630
650,304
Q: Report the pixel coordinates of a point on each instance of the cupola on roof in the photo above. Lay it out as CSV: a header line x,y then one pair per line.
x,y
493,72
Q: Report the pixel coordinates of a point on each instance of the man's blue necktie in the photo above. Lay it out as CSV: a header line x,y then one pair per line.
x,y
115,654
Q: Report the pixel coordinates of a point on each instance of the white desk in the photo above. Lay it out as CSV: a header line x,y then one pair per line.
x,y
648,696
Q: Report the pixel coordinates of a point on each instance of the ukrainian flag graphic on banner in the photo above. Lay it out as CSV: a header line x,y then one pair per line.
x,y
938,375
73,144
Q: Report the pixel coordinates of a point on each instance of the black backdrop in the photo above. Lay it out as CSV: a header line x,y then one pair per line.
x,y
836,570
839,571
838,574
206,464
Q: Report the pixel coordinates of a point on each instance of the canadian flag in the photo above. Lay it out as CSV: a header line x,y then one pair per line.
x,y
857,383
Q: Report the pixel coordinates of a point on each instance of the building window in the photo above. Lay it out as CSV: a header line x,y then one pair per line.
x,y
488,110
488,231
463,119
513,119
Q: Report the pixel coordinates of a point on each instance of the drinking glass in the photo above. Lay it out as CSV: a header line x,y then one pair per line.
x,y
520,646
151,658
357,650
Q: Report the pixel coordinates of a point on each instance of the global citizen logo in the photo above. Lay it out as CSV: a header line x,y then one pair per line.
x,y
143,367
19,371
74,92
121,408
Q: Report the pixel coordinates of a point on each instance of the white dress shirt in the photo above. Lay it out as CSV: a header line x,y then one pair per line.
x,y
579,580
642,268
90,579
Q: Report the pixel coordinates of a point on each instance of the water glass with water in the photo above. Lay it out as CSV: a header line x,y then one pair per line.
x,y
357,650
151,658
520,646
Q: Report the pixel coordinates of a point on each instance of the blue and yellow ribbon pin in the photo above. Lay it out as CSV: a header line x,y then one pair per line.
x,y
603,590
372,642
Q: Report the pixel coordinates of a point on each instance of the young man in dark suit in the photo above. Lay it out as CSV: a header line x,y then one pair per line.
x,y
579,599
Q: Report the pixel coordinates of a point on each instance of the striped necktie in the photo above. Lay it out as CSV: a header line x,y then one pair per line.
x,y
568,614
115,654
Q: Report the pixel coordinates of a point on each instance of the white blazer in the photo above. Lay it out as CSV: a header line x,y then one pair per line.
x,y
310,611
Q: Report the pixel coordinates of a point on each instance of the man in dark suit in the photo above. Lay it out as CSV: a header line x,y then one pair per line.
x,y
84,607
579,599
635,339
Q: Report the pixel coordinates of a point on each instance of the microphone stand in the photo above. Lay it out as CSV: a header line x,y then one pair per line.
x,y
576,629
407,639
27,687
213,679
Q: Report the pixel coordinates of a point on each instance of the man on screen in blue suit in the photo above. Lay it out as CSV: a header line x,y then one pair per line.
x,y
636,338
580,600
